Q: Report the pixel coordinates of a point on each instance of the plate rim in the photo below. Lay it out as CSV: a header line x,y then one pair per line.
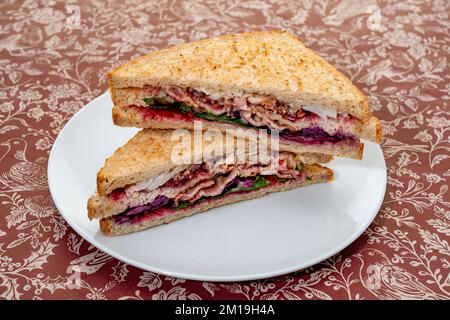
x,y
188,276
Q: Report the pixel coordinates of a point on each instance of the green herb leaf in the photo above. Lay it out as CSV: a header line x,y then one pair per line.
x,y
299,166
157,103
282,180
221,118
308,178
182,205
160,107
260,182
184,108
149,101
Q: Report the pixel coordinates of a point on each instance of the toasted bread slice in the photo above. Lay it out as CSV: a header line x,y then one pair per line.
x,y
274,63
316,174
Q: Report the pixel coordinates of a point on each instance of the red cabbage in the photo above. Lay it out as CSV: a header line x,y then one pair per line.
x,y
245,182
159,202
314,135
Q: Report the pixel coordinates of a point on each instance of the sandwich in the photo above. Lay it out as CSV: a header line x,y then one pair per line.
x,y
141,186
254,80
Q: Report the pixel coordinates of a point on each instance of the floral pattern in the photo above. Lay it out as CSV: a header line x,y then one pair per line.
x,y
53,57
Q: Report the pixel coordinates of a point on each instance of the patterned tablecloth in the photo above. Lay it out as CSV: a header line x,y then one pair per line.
x,y
53,57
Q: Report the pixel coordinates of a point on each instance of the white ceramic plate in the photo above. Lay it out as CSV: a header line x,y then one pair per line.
x,y
260,238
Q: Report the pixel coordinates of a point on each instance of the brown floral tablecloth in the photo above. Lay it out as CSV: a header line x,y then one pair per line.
x,y
53,56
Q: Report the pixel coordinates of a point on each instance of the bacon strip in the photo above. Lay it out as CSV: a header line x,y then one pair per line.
x,y
211,180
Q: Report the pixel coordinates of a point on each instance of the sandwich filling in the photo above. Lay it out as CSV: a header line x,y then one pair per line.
x,y
302,124
198,183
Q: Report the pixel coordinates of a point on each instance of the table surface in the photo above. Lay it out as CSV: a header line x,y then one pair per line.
x,y
52,62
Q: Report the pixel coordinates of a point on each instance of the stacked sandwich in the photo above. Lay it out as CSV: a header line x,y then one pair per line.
x,y
251,81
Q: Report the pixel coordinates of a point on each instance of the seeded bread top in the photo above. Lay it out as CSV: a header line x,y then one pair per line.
x,y
274,63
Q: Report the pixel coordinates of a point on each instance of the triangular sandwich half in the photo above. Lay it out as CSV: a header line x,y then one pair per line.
x,y
265,80
140,185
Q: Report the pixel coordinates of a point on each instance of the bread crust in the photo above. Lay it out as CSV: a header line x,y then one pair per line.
x,y
145,155
372,130
273,63
317,174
